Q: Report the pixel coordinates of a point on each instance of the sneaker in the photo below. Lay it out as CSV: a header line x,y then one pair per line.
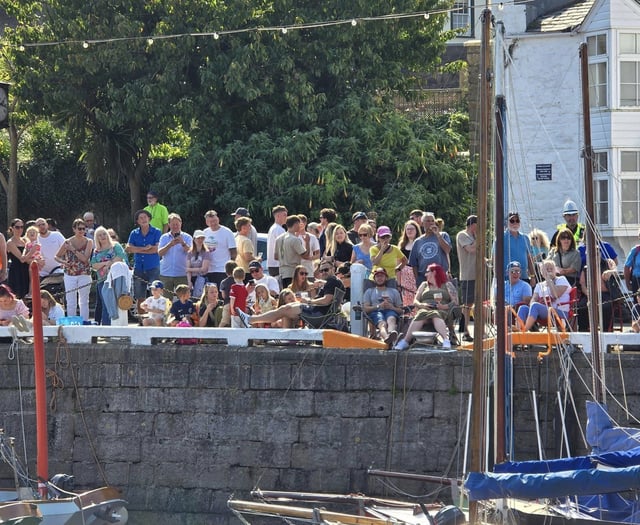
x,y
401,345
467,338
446,343
245,318
391,338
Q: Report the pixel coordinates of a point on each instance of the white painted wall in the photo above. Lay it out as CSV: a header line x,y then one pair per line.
x,y
545,125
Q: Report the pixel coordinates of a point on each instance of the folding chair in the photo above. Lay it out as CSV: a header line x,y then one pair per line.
x,y
333,319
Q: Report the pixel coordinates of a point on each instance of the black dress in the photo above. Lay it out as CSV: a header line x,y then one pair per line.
x,y
18,278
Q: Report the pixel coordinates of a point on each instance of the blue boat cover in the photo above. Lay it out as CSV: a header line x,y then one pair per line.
x,y
602,436
583,482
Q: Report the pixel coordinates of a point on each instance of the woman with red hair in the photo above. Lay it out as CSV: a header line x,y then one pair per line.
x,y
435,300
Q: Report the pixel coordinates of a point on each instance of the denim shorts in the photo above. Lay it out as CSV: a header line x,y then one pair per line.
x,y
377,316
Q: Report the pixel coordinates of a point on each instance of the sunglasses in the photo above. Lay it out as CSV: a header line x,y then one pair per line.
x,y
324,270
516,271
19,226
114,238
565,238
363,235
254,270
303,273
81,228
514,221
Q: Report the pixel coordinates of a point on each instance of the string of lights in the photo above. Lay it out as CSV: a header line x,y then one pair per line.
x,y
284,29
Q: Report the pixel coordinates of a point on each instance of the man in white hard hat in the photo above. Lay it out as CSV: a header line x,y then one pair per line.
x,y
570,214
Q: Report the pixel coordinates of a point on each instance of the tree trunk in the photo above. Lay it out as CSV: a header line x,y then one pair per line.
x,y
12,189
135,181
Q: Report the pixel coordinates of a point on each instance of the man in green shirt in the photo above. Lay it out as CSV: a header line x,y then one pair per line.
x,y
159,212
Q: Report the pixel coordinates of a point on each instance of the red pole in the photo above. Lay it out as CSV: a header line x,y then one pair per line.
x,y
42,463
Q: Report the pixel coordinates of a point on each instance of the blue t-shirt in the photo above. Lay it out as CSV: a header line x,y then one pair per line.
x,y
145,261
515,293
517,248
635,271
604,248
426,251
181,310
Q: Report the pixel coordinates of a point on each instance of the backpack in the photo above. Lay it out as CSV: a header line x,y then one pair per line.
x,y
186,341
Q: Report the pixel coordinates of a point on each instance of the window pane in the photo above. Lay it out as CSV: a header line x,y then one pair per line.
x,y
628,162
602,44
628,72
596,45
627,43
630,203
629,213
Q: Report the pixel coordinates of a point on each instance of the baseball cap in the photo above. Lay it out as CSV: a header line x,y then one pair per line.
x,y
384,230
242,212
514,265
157,284
359,215
255,264
380,270
198,233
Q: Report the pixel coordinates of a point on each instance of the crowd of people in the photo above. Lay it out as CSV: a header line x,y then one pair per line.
x,y
217,278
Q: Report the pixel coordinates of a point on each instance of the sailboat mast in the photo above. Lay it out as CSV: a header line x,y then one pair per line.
x,y
42,461
478,426
593,266
499,266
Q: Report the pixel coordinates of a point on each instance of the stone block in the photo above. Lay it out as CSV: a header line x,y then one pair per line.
x,y
271,377
169,375
299,402
330,377
345,404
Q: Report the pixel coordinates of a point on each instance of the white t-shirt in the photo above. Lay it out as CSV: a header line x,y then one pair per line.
x,y
161,303
314,245
274,232
55,313
49,246
219,243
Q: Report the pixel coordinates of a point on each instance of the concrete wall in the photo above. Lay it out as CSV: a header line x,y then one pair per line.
x,y
182,428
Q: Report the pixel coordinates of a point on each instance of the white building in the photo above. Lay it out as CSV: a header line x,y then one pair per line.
x,y
544,110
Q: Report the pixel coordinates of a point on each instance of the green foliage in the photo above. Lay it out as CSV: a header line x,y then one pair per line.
x,y
251,118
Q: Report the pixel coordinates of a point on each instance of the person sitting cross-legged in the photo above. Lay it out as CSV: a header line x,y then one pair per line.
x,y
383,306
290,313
552,291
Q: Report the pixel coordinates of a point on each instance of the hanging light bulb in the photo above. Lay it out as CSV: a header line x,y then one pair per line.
x,y
426,16
85,44
284,30
354,22
501,6
216,36
21,48
150,41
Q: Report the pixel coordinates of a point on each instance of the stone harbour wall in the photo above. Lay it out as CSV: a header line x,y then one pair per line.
x,y
181,428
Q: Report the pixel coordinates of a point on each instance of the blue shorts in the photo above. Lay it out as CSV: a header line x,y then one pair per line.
x,y
141,281
377,316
